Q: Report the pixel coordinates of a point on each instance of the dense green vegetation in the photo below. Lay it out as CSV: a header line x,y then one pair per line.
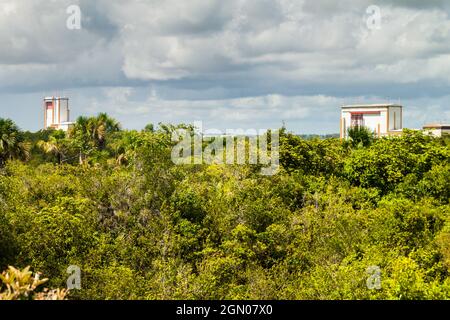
x,y
112,202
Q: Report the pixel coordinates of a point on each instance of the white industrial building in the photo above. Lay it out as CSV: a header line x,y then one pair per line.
x,y
382,119
57,113
437,129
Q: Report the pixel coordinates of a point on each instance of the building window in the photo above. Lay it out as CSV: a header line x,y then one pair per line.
x,y
395,121
357,120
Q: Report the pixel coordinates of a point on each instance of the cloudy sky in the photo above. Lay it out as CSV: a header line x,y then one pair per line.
x,y
230,64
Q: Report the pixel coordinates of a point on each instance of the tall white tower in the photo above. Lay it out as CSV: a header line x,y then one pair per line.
x,y
57,113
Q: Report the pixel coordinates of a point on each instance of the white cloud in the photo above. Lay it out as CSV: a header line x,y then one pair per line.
x,y
173,40
268,111
253,60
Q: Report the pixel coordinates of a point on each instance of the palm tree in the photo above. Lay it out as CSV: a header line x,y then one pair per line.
x,y
100,127
90,134
55,145
12,142
125,146
80,137
361,136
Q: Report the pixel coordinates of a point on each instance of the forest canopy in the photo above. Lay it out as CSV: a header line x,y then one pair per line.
x,y
112,202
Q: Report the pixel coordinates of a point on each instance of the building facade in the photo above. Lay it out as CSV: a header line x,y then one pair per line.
x,y
437,129
382,119
57,113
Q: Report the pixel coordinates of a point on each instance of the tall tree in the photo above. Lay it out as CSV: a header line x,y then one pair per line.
x,y
90,134
12,142
55,145
100,127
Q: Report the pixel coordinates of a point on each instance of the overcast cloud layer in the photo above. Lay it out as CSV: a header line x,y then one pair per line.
x,y
232,64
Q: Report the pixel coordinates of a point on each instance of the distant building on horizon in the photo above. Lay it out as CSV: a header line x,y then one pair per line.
x,y
437,129
382,119
57,113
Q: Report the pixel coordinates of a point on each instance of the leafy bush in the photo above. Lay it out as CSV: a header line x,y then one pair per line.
x,y
140,227
22,285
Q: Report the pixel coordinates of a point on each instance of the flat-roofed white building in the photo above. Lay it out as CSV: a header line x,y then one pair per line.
x,y
383,119
57,113
437,129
